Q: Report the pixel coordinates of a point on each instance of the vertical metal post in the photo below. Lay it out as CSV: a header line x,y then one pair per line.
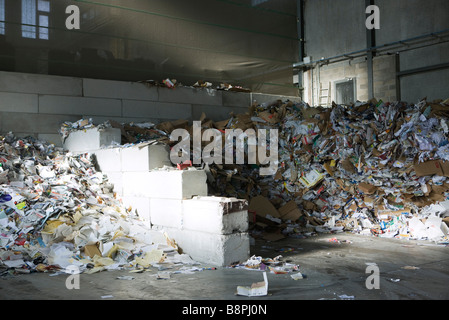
x,y
398,78
300,27
301,54
370,43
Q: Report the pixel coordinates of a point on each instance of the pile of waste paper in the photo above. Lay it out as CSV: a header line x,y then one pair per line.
x,y
375,168
57,212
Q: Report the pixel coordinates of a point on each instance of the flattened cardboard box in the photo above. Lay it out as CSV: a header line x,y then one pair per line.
x,y
262,206
367,188
290,211
93,249
428,168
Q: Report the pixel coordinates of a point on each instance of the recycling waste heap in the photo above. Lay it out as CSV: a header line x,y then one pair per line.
x,y
58,213
375,168
372,168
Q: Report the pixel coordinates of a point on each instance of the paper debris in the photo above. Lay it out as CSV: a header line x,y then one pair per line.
x,y
257,289
297,276
125,278
410,268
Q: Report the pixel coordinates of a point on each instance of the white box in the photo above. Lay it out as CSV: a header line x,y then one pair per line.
x,y
92,139
165,184
210,248
178,184
109,159
217,215
144,157
136,184
115,178
166,212
141,205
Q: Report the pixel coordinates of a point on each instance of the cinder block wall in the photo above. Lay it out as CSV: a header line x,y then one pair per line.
x,y
384,74
37,105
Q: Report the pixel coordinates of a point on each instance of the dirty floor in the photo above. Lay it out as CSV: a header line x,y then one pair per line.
x,y
332,270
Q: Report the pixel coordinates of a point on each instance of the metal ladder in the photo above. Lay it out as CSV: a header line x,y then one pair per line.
x,y
325,93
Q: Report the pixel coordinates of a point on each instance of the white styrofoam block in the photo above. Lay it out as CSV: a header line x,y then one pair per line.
x,y
141,205
165,183
215,215
210,248
136,183
109,159
92,139
116,178
144,157
178,184
166,212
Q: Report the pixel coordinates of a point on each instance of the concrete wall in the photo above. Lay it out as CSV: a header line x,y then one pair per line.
x,y
328,24
403,19
338,27
384,74
37,105
431,84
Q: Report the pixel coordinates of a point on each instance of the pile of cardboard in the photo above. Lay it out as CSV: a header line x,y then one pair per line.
x,y
369,168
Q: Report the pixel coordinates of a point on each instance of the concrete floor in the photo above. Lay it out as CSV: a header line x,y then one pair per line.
x,y
332,270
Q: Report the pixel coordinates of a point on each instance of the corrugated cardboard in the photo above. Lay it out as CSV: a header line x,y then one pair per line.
x,y
270,117
445,168
290,211
367,188
262,206
92,249
428,168
169,126
348,166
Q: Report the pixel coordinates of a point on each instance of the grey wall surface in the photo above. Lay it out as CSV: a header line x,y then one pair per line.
x,y
338,27
334,27
433,84
133,40
37,105
403,19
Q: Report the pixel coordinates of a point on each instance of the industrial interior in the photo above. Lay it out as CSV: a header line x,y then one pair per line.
x,y
233,151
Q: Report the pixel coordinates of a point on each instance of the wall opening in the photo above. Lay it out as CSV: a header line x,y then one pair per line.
x,y
345,91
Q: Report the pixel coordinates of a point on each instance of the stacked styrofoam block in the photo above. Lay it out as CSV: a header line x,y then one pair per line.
x,y
167,183
215,230
215,215
211,230
92,139
212,248
122,165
